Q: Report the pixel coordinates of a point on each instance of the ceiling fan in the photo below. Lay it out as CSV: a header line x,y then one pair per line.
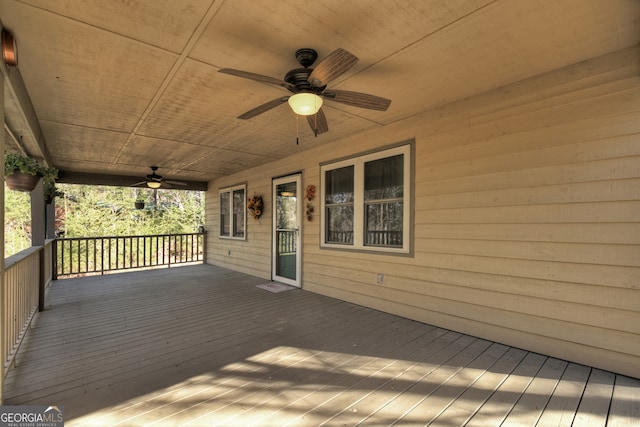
x,y
308,86
156,181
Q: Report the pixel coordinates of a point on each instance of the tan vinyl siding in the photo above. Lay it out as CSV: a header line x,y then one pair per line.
x,y
527,217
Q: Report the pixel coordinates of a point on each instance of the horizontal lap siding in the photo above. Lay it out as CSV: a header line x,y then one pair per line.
x,y
249,256
527,217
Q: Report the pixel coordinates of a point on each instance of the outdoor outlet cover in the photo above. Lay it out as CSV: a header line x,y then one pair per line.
x,y
380,278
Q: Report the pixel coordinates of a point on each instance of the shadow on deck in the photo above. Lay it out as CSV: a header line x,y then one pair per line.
x,y
201,345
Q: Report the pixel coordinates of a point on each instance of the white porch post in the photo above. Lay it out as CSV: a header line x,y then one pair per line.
x,y
38,224
50,214
37,215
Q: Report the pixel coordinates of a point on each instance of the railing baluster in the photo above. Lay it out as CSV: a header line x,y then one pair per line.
x,y
61,262
21,299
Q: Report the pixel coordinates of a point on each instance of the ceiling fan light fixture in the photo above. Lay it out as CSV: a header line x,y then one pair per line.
x,y
305,103
153,184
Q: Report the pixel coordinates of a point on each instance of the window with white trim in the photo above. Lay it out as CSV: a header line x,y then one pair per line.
x,y
233,212
366,201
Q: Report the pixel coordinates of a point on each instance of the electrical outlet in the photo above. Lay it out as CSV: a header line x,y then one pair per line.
x,y
380,278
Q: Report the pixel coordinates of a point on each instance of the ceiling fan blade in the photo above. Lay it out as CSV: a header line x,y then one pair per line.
x,y
318,122
175,182
139,183
334,65
256,77
263,108
358,99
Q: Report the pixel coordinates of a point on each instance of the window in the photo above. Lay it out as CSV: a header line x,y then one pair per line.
x,y
338,200
366,202
233,212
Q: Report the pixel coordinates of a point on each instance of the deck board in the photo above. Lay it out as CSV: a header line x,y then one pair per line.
x,y
594,407
201,345
479,391
562,406
625,406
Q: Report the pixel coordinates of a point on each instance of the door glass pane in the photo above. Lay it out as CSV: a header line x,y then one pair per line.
x,y
286,230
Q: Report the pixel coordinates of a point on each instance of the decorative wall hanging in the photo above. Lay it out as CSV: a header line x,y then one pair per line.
x,y
255,206
310,194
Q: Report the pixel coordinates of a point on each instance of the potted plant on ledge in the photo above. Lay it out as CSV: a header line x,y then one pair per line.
x,y
21,172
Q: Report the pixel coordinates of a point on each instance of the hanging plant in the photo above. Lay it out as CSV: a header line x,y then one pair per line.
x,y
140,200
21,172
255,206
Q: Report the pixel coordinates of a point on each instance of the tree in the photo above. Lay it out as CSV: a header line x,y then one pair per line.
x,y
17,221
91,211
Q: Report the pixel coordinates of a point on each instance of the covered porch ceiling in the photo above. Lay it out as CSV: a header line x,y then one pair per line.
x,y
119,86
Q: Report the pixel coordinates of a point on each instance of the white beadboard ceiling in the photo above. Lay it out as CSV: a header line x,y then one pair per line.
x,y
120,85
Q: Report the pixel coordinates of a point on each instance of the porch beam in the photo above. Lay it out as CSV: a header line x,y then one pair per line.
x,y
26,115
67,177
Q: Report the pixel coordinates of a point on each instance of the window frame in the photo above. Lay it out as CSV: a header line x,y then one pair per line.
x,y
359,204
232,224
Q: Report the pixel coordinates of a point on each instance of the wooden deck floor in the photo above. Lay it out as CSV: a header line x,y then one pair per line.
x,y
202,346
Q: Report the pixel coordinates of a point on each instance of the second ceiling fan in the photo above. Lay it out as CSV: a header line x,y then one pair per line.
x,y
156,181
309,85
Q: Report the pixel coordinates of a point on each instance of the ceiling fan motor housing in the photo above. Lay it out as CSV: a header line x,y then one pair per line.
x,y
154,176
299,77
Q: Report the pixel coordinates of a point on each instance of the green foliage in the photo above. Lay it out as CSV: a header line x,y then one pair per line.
x,y
17,162
49,182
17,221
14,162
91,211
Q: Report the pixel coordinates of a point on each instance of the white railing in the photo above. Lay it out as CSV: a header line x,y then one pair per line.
x,y
24,283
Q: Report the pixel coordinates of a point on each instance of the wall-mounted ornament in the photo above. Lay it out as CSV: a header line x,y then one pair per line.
x,y
310,194
255,206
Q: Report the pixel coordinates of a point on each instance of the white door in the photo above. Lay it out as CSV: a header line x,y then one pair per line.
x,y
287,221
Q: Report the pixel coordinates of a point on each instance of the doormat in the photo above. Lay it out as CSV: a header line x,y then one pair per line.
x,y
275,287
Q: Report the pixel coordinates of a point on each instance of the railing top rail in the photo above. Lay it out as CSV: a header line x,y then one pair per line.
x,y
128,237
16,258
